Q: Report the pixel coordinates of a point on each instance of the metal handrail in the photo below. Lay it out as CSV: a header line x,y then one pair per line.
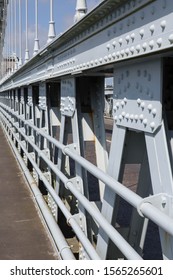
x,y
146,209
90,250
131,197
113,234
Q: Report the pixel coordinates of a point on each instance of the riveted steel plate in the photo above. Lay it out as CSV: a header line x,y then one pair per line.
x,y
42,96
68,102
137,95
30,98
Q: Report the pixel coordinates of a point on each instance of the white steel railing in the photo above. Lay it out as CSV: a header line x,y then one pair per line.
x,y
16,126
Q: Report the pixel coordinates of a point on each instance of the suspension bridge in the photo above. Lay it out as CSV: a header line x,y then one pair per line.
x,y
82,185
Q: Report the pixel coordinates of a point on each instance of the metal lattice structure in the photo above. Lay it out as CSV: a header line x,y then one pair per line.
x,y
52,108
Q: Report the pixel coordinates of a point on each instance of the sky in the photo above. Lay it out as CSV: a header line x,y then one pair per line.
x,y
63,15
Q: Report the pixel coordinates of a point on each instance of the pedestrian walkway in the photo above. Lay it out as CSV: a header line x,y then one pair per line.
x,y
23,235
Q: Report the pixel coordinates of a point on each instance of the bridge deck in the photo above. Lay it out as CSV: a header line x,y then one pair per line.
x,y
22,233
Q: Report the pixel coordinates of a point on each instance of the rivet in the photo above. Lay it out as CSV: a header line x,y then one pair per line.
x,y
145,122
132,117
144,46
100,59
154,112
138,48
171,38
163,24
122,53
117,105
115,118
114,44
118,54
122,103
150,107
96,61
109,56
127,51
152,28
132,49
127,38
114,108
120,117
125,100
143,105
92,62
132,36
152,125
114,55
123,114
159,42
136,117
141,32
127,116
151,44
141,117
106,58
108,46
120,41
138,101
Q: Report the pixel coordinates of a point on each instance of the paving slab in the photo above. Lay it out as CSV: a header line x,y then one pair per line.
x,y
23,235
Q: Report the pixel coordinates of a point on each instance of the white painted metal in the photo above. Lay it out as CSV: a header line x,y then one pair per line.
x,y
128,40
126,30
20,34
26,32
137,98
81,9
51,33
36,41
112,183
